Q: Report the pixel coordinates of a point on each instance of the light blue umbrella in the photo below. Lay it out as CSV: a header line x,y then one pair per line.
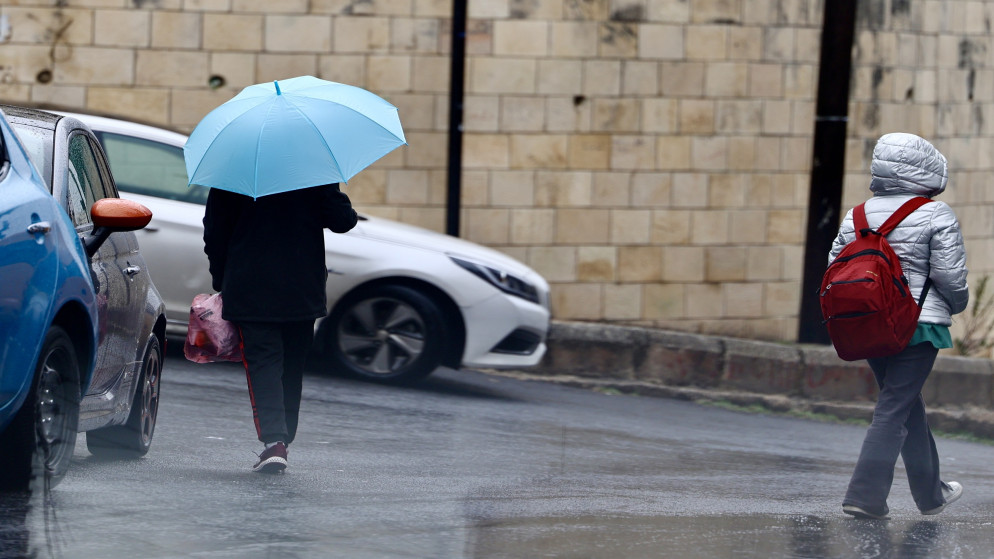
x,y
291,134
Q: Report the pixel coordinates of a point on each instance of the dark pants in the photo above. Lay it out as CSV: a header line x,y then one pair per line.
x,y
274,355
899,427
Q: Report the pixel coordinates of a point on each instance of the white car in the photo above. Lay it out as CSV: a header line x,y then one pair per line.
x,y
403,300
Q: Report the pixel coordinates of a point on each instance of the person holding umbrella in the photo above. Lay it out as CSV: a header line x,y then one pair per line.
x,y
267,259
274,157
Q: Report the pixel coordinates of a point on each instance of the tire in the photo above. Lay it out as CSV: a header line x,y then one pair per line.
x,y
134,438
389,334
42,437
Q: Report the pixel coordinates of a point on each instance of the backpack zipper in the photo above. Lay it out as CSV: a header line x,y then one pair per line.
x,y
899,287
847,315
864,280
829,286
865,252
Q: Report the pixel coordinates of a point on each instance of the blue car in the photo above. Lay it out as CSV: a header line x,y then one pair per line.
x,y
49,323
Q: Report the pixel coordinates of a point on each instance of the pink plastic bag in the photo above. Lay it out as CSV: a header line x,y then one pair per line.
x,y
210,338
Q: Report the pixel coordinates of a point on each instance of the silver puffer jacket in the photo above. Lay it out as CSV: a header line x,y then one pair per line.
x,y
928,242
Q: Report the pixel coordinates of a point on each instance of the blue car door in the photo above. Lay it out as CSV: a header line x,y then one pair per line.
x,y
28,271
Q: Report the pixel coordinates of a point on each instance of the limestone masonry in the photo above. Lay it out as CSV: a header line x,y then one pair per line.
x,y
651,158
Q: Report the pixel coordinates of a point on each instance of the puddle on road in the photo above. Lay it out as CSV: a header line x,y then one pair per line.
x,y
760,536
766,536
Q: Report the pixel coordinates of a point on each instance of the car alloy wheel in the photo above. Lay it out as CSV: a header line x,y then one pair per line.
x,y
387,333
57,408
42,436
146,405
134,438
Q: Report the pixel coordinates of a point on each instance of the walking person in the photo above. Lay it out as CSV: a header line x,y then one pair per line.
x,y
267,258
929,245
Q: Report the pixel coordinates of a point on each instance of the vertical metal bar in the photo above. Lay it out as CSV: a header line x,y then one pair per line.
x,y
828,164
456,84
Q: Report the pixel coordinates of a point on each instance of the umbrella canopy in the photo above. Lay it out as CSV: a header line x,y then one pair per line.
x,y
291,134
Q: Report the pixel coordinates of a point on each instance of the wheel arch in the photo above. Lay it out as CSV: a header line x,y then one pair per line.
x,y
452,355
75,320
159,331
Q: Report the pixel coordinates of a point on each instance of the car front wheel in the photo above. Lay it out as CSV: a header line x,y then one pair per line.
x,y
134,438
390,334
41,438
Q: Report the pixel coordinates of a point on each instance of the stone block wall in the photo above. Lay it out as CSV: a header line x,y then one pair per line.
x,y
651,158
927,67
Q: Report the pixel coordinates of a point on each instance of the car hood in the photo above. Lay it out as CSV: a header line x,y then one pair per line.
x,y
386,230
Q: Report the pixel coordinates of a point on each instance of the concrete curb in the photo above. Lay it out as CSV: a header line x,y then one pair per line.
x,y
780,377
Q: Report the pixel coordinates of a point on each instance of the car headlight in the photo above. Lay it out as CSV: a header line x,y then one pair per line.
x,y
500,279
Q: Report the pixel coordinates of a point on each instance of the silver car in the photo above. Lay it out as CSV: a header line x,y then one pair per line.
x,y
403,300
119,409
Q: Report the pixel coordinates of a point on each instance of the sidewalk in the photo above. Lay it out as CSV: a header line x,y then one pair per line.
x,y
778,376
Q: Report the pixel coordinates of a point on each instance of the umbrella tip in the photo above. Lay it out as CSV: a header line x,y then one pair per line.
x,y
277,84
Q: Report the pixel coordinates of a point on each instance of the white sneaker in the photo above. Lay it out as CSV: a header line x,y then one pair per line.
x,y
859,512
951,491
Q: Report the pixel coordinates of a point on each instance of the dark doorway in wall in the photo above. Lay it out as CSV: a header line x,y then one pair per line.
x,y
828,162
453,200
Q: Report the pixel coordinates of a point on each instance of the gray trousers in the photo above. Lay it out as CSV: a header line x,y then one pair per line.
x,y
899,427
275,354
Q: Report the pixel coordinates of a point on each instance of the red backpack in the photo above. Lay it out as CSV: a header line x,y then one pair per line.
x,y
865,297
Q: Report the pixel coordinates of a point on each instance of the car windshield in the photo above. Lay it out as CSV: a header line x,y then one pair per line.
x,y
38,147
149,168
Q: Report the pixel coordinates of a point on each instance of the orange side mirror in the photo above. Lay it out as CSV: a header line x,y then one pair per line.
x,y
118,214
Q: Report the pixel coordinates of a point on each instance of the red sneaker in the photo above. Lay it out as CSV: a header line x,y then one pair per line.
x,y
272,460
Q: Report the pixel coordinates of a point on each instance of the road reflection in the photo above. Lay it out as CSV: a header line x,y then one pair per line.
x,y
808,536
30,528
875,538
29,524
14,508
759,536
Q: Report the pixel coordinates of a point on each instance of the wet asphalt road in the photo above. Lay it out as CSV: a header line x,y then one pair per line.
x,y
476,465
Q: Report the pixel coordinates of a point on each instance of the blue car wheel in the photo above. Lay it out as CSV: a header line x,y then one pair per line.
x,y
41,439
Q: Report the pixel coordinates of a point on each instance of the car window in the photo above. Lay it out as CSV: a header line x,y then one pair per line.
x,y
83,184
151,168
106,189
37,144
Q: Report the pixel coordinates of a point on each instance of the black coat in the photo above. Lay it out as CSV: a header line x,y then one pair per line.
x,y
267,255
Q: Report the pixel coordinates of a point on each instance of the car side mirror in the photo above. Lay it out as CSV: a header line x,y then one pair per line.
x,y
111,215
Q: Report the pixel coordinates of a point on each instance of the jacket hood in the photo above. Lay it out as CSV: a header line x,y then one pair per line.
x,y
907,164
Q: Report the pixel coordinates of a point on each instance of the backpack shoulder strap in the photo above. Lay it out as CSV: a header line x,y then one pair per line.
x,y
901,213
859,221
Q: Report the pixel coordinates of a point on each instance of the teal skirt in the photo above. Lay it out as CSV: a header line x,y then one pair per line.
x,y
935,334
